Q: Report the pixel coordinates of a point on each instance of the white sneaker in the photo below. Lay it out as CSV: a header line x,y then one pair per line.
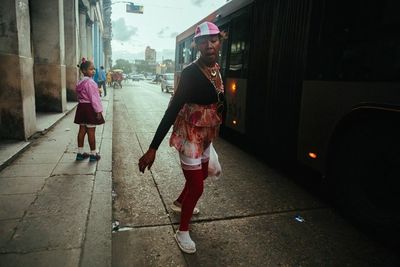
x,y
184,242
178,209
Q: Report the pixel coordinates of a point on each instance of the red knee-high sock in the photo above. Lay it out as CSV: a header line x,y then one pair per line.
x,y
183,194
194,182
204,168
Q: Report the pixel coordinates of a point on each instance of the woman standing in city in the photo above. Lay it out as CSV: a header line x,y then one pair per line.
x,y
194,112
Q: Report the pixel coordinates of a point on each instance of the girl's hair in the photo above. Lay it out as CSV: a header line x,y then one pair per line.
x,y
85,64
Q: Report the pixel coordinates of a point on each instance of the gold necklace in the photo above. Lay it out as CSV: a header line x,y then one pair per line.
x,y
211,70
211,74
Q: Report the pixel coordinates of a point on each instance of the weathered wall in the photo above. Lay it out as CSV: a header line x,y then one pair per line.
x,y
89,38
82,31
71,31
17,101
49,54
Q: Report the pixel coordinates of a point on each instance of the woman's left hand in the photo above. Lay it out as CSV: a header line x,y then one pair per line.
x,y
147,160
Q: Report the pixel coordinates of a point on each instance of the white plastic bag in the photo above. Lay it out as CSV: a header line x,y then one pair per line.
x,y
214,167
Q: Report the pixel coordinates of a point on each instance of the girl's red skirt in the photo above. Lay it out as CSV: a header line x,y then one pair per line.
x,y
85,114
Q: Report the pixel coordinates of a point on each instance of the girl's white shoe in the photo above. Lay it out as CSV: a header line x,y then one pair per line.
x,y
184,241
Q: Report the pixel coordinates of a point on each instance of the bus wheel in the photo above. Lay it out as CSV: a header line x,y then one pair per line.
x,y
364,170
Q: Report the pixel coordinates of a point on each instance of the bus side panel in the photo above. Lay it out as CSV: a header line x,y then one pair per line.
x,y
326,103
277,65
352,61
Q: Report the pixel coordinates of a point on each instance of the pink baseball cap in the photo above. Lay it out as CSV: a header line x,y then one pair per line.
x,y
206,28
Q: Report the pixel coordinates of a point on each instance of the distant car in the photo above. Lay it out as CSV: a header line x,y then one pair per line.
x,y
137,77
150,77
167,82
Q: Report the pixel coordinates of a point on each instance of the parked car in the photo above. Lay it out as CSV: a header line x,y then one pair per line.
x,y
167,82
150,77
137,77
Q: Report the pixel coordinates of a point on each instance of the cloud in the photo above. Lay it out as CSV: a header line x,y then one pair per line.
x,y
121,31
162,33
198,2
174,34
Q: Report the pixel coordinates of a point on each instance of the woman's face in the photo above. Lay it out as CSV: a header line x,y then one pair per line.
x,y
208,46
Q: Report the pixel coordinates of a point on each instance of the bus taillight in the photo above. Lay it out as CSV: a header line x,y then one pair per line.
x,y
312,155
233,87
235,99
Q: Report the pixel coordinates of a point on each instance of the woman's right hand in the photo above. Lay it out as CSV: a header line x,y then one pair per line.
x,y
147,160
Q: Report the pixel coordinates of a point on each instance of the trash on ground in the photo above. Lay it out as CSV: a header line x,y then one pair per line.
x,y
115,226
125,229
299,218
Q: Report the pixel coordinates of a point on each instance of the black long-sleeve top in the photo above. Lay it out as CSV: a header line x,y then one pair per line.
x,y
193,87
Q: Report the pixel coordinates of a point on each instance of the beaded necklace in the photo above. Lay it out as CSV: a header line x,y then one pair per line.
x,y
212,74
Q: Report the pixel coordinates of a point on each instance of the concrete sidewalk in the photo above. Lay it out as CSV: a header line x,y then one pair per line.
x,y
10,149
55,211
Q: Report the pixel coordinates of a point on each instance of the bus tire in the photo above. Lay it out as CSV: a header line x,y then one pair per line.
x,y
364,170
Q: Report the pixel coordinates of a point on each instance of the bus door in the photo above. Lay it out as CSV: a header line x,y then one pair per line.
x,y
236,71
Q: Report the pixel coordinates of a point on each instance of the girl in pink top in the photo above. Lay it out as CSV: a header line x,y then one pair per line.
x,y
89,111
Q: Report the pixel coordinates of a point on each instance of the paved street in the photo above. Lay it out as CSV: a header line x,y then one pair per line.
x,y
247,216
55,211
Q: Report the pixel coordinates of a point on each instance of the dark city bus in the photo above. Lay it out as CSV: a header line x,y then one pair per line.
x,y
316,83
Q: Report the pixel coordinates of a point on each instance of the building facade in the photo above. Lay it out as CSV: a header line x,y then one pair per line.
x,y
41,43
150,55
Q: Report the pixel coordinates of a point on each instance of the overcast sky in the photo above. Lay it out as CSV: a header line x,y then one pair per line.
x,y
157,27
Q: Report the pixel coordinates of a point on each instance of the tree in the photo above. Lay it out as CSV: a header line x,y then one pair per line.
x,y
123,64
170,65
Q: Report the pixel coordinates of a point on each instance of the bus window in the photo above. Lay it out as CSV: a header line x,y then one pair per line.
x,y
223,51
239,46
185,52
357,48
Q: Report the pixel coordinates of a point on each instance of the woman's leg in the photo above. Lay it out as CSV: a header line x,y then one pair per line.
x,y
182,195
204,168
195,186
